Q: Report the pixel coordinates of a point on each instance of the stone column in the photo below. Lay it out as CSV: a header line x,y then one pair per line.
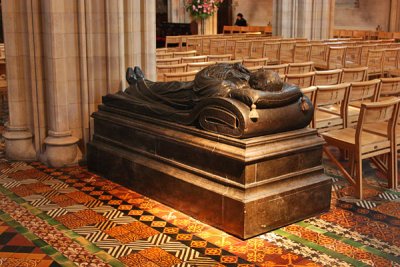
x,y
62,57
312,19
177,12
394,16
59,34
18,134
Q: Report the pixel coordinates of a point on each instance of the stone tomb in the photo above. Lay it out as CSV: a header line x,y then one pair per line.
x,y
245,187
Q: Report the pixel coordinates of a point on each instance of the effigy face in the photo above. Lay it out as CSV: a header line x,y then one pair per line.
x,y
224,98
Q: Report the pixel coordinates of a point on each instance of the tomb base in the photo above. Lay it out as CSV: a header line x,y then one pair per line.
x,y
245,187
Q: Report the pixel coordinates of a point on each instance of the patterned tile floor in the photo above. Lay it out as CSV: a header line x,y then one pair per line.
x,y
71,217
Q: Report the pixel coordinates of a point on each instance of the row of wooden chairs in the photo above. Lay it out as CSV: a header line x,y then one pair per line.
x,y
327,77
361,119
192,59
365,34
242,29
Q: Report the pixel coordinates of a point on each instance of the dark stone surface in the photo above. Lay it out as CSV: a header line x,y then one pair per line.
x,y
242,186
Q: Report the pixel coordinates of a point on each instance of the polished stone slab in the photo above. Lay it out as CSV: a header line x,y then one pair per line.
x,y
244,186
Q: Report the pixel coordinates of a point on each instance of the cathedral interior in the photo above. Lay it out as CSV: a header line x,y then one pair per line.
x,y
162,133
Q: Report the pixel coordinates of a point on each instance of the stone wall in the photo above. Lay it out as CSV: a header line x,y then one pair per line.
x,y
367,16
256,12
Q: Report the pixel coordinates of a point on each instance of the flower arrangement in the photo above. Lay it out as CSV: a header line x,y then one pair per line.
x,y
202,9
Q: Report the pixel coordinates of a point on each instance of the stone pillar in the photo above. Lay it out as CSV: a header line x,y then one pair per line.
x,y
177,12
312,19
394,16
19,133
62,57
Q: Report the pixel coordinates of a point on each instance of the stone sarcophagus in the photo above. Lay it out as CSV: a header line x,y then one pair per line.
x,y
243,183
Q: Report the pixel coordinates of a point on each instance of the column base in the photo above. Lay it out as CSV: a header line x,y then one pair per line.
x,y
19,144
61,151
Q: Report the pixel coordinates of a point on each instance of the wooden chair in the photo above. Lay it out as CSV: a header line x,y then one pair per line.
x,y
217,46
309,92
173,42
362,144
374,62
302,80
319,53
286,51
217,58
361,92
169,69
230,46
335,58
161,50
180,76
271,51
390,60
302,67
328,96
354,74
168,61
353,56
390,87
194,43
281,69
199,65
257,49
328,77
364,52
205,45
302,53
194,59
250,62
164,55
190,53
242,49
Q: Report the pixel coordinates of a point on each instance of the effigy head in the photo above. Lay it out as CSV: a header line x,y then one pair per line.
x,y
265,80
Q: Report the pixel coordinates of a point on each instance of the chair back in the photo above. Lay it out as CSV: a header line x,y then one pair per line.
x,y
301,67
390,87
169,69
199,65
217,46
336,57
225,57
354,74
250,62
242,49
272,51
382,111
281,68
302,53
328,77
302,80
190,53
180,76
194,59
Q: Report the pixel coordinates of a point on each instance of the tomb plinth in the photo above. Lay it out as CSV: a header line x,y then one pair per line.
x,y
245,187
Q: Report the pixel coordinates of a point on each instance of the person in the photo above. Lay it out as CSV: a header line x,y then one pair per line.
x,y
240,21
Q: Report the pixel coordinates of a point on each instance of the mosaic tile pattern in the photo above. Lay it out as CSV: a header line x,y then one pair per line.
x,y
75,217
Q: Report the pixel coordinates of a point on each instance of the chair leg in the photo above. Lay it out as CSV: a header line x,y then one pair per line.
x,y
392,168
358,178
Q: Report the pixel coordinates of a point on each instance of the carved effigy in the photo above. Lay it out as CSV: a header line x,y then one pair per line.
x,y
224,98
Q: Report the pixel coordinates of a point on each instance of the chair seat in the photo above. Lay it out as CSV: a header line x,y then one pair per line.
x,y
327,119
345,138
